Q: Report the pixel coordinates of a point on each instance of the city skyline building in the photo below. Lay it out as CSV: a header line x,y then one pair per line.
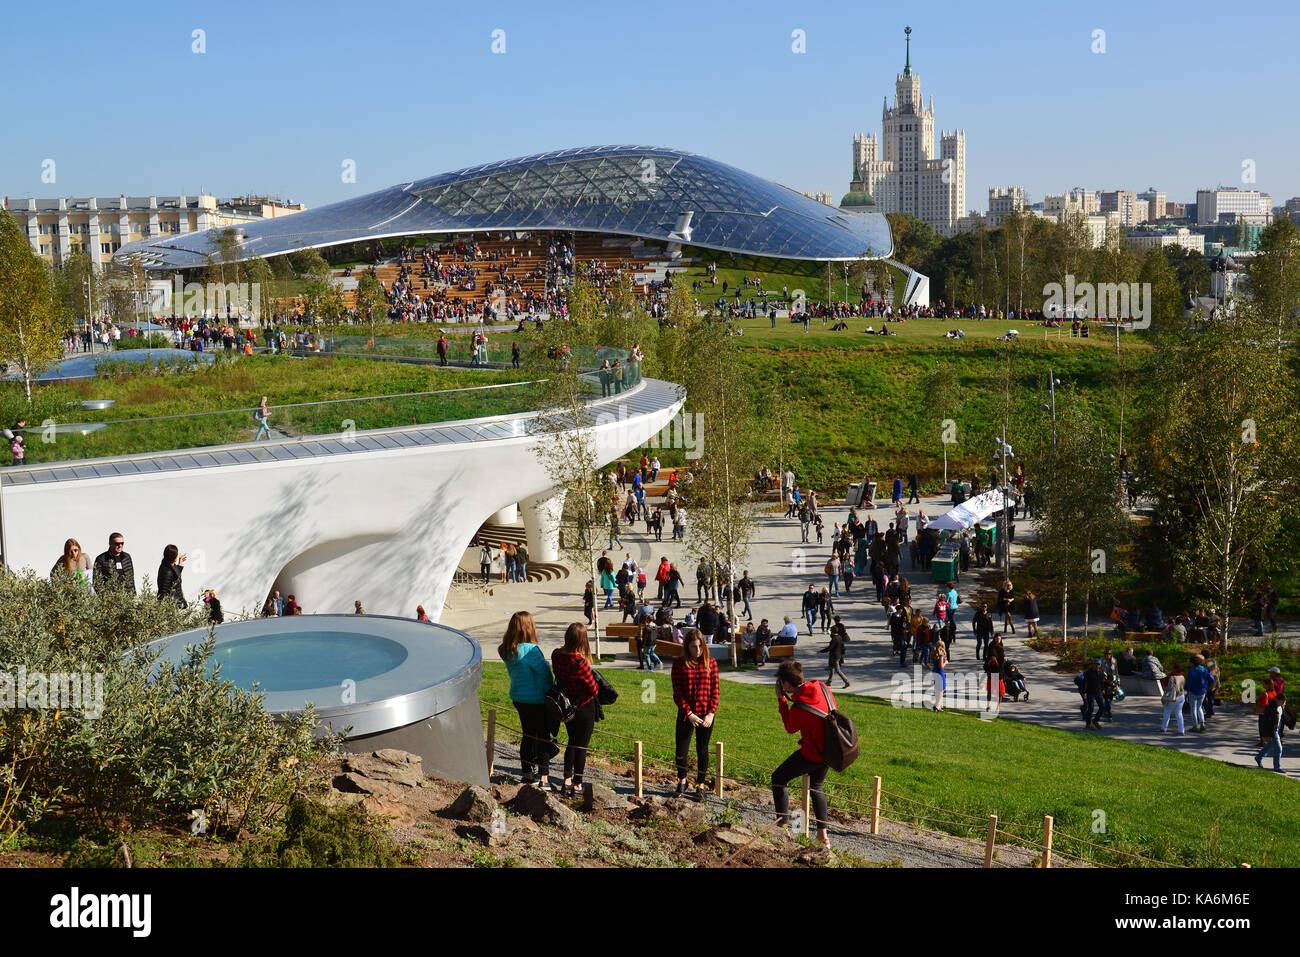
x,y
900,171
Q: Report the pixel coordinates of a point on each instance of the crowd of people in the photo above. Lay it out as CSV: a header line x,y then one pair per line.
x,y
114,569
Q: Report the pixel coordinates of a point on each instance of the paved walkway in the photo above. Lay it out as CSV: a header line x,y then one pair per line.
x,y
782,568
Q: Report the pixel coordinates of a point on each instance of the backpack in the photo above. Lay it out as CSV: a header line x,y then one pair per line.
x,y
841,748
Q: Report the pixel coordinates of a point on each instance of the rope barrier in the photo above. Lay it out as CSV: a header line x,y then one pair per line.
x,y
977,822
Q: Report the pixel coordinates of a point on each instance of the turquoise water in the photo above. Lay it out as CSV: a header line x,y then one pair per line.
x,y
306,660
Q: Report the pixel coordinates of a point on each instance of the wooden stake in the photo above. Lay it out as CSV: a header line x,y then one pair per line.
x,y
875,806
717,780
988,841
1047,840
492,740
807,803
638,776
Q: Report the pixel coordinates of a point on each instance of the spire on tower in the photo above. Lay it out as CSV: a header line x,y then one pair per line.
x,y
907,68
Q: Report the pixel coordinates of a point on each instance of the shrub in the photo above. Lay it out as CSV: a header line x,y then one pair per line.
x,y
152,340
314,835
171,739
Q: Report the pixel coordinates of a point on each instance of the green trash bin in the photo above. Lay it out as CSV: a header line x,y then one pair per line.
x,y
946,565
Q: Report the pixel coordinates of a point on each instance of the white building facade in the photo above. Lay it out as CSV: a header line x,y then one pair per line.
x,y
100,225
1231,205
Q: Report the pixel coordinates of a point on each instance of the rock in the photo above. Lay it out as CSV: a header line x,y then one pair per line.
x,y
389,808
397,767
734,835
342,798
648,809
544,807
815,856
688,812
481,834
604,799
354,783
474,804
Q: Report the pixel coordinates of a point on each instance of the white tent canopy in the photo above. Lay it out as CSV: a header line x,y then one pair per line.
x,y
971,512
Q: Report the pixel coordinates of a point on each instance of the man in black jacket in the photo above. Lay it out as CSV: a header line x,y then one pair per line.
x,y
746,587
983,625
113,568
1092,695
913,485
809,607
707,620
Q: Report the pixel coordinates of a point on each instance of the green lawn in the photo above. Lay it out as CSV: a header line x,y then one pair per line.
x,y
1157,802
237,386
855,402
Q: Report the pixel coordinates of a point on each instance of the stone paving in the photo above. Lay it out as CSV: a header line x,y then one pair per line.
x,y
776,557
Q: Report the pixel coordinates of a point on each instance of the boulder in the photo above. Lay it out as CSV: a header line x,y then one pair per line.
x,y
480,834
354,783
604,799
397,767
544,808
734,835
474,804
389,808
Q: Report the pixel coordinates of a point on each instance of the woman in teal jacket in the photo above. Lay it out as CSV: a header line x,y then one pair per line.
x,y
530,679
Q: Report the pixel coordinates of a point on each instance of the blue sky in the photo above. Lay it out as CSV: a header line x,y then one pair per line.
x,y
286,92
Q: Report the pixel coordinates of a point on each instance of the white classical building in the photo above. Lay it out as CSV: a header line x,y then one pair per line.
x,y
908,177
100,225
1150,237
1003,202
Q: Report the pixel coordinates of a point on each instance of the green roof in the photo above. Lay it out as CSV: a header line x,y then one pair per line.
x,y
857,199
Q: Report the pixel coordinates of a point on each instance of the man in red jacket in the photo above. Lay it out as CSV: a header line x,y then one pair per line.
x,y
791,688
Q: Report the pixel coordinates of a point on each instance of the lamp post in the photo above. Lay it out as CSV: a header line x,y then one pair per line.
x,y
1006,522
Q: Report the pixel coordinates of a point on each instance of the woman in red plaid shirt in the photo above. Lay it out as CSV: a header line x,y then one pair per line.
x,y
573,675
695,692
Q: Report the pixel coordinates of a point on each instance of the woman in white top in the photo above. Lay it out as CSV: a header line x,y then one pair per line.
x,y
901,520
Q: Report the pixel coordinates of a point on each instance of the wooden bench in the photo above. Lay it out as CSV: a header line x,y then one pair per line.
x,y
773,651
1144,637
624,630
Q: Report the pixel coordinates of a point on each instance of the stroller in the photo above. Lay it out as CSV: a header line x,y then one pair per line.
x,y
1015,682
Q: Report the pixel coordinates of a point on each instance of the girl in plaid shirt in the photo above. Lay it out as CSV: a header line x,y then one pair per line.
x,y
695,692
573,675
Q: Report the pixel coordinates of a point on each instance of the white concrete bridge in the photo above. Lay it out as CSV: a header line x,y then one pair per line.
x,y
383,517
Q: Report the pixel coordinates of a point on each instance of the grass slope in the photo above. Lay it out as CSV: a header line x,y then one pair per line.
x,y
1159,803
238,385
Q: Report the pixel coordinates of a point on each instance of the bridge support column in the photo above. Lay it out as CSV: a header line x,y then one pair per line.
x,y
541,515
507,516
